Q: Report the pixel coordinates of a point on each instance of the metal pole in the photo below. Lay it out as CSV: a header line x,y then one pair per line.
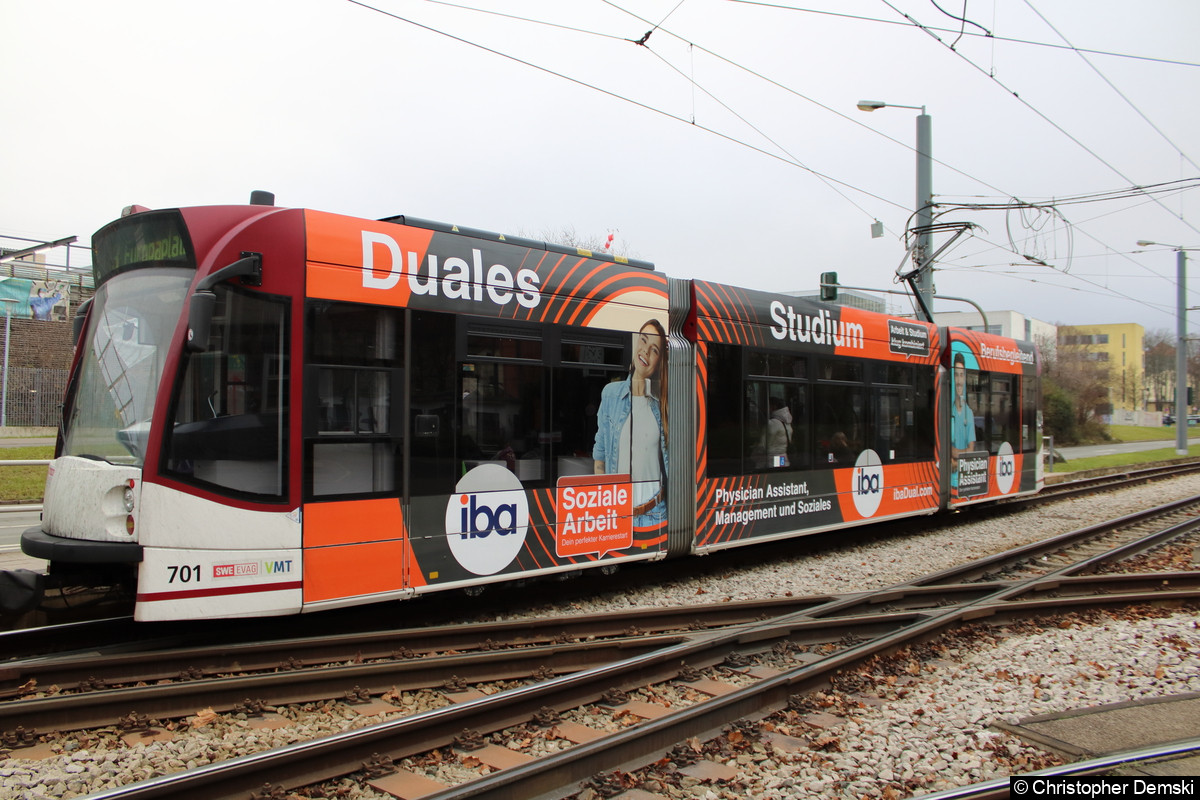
x,y
925,206
4,389
1181,409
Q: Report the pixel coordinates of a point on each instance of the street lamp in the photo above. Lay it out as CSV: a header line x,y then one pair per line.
x,y
924,194
1181,415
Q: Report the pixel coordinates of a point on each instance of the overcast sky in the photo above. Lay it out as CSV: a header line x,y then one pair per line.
x,y
727,147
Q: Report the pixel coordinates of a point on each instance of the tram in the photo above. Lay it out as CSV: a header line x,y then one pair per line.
x,y
274,411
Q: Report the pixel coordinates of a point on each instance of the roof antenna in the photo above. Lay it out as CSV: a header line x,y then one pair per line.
x,y
261,198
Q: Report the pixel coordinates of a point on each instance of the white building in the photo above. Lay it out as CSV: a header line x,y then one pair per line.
x,y
1012,324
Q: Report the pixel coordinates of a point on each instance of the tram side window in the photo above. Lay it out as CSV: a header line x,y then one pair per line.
x,y
729,411
903,412
778,433
229,413
842,424
893,437
522,396
1002,413
587,364
353,439
758,416
433,405
502,408
1029,414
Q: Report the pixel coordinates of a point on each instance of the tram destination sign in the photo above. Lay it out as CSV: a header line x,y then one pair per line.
x,y
149,238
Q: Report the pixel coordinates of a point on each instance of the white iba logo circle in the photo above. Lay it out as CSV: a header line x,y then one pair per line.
x,y
1006,468
867,483
486,521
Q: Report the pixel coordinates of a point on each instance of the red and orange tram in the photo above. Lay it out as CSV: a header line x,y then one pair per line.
x,y
275,411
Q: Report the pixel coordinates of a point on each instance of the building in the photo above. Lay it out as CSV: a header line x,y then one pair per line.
x,y
1012,324
1120,348
38,299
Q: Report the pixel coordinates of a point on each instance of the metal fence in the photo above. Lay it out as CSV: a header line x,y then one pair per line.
x,y
34,397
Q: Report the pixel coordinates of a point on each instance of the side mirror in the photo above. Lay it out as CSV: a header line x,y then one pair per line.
x,y
200,314
204,300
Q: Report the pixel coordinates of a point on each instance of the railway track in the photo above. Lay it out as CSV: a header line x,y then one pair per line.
x,y
1109,480
101,633
800,646
1113,763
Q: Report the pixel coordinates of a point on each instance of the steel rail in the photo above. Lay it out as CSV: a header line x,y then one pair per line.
x,y
334,755
561,774
1115,478
20,642
557,775
153,667
67,670
1000,788
988,565
181,698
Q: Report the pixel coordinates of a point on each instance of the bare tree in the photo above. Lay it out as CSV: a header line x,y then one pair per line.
x,y
1160,367
1079,377
609,244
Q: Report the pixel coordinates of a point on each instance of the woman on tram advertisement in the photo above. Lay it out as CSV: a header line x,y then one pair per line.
x,y
632,425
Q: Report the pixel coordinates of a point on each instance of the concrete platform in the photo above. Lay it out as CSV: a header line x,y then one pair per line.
x,y
1101,730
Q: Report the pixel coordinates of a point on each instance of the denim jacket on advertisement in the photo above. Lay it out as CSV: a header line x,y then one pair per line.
x,y
616,404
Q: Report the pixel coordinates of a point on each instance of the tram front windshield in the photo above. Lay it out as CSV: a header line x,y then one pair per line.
x,y
110,403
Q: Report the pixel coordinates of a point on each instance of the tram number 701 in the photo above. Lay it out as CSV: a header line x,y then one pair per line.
x,y
184,574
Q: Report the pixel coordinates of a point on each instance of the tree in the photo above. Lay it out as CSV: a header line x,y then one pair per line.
x,y
1160,367
609,243
1074,377
1193,365
1058,413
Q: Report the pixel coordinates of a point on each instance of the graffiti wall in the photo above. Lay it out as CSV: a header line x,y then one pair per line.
x,y
40,300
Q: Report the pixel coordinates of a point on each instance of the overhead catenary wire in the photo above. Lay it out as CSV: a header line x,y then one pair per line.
x,y
1100,290
1113,86
643,41
1110,252
1027,104
992,36
795,93
1009,204
789,159
1012,203
1051,207
1125,193
759,131
1077,226
963,19
1166,189
518,18
617,96
691,44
